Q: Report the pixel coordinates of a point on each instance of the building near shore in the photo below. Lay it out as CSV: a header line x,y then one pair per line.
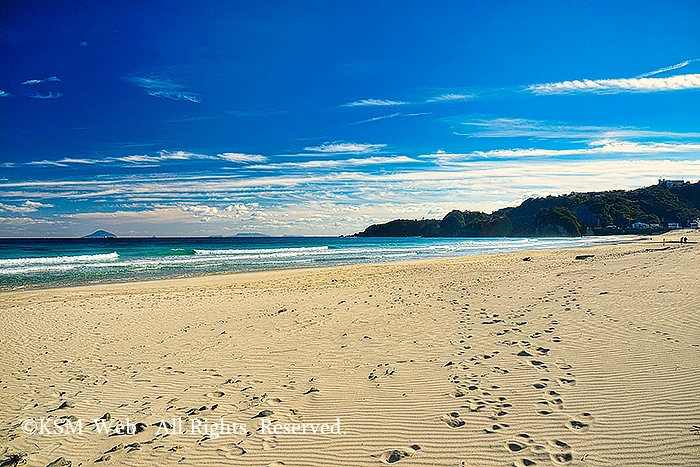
x,y
640,226
672,183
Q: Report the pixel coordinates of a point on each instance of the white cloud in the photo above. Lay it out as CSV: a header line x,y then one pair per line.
x,y
39,81
602,147
242,158
603,86
682,64
25,221
337,202
4,93
524,128
162,156
70,160
143,160
374,103
46,163
26,207
451,97
334,163
342,147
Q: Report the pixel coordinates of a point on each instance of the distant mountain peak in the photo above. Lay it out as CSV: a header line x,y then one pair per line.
x,y
100,234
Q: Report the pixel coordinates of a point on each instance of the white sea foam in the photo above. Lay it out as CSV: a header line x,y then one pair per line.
x,y
19,262
243,251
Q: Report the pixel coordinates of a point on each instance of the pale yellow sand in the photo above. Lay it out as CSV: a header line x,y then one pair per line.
x,y
482,361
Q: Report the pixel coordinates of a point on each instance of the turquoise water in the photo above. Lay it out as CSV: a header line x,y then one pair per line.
x,y
60,262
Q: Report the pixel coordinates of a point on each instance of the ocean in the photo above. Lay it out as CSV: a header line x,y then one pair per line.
x,y
30,263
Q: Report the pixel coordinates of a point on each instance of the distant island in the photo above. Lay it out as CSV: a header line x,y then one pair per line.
x,y
670,204
100,234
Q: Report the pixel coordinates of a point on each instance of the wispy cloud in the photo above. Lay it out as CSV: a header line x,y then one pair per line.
x,y
26,207
374,103
335,163
603,147
387,117
162,156
441,98
612,86
668,68
50,95
451,97
4,93
153,83
525,128
44,80
145,160
255,113
377,118
47,163
343,147
71,160
177,96
242,158
164,88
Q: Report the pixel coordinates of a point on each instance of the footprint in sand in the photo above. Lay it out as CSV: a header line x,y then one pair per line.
x,y
268,444
580,423
541,384
524,462
540,365
453,420
232,452
515,446
495,428
560,452
214,394
391,456
550,402
566,383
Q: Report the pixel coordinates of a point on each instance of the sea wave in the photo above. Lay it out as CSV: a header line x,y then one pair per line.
x,y
255,251
58,260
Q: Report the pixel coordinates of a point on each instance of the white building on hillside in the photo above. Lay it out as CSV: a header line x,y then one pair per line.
x,y
671,183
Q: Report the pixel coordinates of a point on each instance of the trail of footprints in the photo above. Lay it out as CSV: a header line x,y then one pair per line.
x,y
475,394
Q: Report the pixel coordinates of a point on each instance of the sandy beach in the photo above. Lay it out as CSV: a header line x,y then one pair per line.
x,y
475,361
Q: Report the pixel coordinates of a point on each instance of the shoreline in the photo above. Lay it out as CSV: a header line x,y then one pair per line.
x,y
622,241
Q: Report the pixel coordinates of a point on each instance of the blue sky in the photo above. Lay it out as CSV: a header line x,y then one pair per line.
x,y
144,118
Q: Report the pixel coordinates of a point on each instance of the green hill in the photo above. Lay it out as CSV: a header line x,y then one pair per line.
x,y
573,214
